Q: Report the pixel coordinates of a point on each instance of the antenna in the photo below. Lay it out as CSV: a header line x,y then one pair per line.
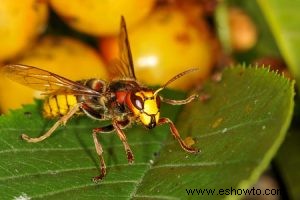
x,y
175,78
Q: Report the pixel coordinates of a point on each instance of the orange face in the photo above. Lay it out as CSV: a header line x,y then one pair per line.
x,y
145,106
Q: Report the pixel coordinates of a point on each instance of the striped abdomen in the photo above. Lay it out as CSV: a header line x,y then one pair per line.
x,y
58,105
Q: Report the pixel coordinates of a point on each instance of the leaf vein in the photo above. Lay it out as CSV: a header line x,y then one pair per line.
x,y
234,127
157,197
49,172
38,149
81,187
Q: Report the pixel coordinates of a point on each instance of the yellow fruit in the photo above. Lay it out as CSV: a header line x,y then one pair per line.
x,y
64,56
242,29
20,24
101,17
165,44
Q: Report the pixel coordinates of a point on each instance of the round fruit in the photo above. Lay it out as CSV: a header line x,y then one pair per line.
x,y
20,24
243,30
101,17
63,56
165,44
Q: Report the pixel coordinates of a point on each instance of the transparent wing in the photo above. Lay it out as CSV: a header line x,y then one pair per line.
x,y
47,82
123,67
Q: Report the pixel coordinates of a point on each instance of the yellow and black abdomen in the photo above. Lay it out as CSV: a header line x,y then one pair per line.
x,y
58,105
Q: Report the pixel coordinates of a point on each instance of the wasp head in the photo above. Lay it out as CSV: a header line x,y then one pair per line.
x,y
145,105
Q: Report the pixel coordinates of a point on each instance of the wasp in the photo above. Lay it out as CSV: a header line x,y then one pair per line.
x,y
123,100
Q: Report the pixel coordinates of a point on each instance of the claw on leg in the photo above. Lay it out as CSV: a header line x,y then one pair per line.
x,y
177,136
130,157
102,171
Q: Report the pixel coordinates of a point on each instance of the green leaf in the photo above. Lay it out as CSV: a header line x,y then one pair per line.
x,y
283,19
238,130
288,163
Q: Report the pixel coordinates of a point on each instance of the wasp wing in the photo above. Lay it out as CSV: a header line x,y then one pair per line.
x,y
123,67
45,81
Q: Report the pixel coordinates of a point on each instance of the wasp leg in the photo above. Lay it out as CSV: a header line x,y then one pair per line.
x,y
99,150
180,102
118,125
177,136
62,121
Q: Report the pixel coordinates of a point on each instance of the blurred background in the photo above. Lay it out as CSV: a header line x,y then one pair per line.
x,y
79,39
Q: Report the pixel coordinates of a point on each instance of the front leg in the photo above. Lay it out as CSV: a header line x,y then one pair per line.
x,y
176,134
180,102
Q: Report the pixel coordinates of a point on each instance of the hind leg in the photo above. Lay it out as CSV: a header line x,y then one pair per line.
x,y
62,121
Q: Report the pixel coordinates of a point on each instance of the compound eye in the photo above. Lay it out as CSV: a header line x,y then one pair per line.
x,y
137,101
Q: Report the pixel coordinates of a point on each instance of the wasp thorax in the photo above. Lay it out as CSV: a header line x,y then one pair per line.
x,y
145,105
